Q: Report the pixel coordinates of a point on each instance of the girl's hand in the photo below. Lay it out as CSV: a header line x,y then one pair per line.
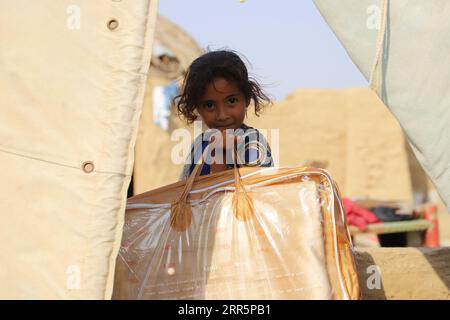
x,y
226,140
223,142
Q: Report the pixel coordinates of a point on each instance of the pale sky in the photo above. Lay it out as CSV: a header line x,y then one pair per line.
x,y
287,41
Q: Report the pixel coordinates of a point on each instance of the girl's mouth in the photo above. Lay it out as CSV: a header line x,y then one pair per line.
x,y
223,128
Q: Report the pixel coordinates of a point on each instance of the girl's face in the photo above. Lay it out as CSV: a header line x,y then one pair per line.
x,y
223,105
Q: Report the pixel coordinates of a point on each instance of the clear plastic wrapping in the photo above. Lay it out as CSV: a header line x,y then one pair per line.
x,y
273,233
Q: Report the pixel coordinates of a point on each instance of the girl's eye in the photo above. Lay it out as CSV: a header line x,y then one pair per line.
x,y
208,105
232,100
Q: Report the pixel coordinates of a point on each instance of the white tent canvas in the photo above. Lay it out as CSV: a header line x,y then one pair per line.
x,y
412,75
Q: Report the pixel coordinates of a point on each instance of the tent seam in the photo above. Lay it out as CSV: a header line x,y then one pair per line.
x,y
58,163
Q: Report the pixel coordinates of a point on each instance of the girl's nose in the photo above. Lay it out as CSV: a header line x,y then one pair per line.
x,y
222,113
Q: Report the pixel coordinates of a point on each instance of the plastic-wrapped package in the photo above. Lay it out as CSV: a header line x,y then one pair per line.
x,y
249,233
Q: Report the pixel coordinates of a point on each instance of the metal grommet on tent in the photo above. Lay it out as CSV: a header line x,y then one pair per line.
x,y
113,24
88,166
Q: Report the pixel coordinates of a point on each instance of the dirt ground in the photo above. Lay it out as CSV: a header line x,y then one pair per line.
x,y
404,273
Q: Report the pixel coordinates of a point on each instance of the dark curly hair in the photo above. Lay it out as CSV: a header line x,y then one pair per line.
x,y
217,64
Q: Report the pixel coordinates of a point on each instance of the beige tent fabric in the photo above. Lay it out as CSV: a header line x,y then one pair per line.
x,y
72,81
348,131
153,166
414,74
172,37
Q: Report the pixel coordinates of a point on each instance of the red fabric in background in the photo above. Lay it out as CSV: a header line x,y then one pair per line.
x,y
358,216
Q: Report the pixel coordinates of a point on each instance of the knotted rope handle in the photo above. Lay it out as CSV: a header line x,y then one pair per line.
x,y
181,209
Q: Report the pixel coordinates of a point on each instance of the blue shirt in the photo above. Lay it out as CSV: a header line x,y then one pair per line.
x,y
254,150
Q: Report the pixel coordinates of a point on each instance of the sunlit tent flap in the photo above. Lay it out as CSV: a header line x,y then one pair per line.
x,y
412,76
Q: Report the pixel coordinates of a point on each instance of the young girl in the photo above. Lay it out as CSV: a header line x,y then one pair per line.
x,y
218,90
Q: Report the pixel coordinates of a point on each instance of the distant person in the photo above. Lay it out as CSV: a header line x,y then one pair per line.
x,y
218,90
